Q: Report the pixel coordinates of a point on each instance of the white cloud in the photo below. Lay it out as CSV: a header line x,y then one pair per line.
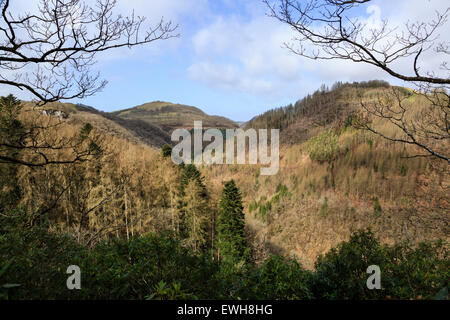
x,y
228,76
246,54
250,51
242,51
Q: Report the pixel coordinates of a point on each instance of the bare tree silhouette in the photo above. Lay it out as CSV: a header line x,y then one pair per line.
x,y
326,30
50,53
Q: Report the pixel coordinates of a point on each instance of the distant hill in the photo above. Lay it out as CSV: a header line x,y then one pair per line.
x,y
148,133
170,116
136,131
150,123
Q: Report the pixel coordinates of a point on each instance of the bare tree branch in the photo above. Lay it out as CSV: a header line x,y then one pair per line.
x,y
50,53
328,30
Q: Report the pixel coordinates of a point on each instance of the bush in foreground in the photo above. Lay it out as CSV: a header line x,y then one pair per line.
x,y
33,264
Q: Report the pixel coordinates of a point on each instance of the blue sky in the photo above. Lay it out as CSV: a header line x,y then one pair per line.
x,y
228,59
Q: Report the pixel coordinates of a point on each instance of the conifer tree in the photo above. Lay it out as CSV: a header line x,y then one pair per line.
x,y
231,243
191,173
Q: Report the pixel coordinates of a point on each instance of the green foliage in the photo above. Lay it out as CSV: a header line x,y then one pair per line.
x,y
231,241
165,292
410,272
253,206
406,272
191,201
86,130
92,146
11,129
196,217
324,208
264,207
324,146
191,173
37,259
12,133
277,278
281,189
442,294
135,268
33,264
119,269
341,273
5,287
349,121
403,170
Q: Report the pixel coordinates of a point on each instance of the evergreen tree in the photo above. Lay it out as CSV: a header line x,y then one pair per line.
x,y
231,241
191,173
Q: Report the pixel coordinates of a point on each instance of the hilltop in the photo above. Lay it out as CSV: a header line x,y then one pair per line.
x,y
170,116
298,121
150,123
133,130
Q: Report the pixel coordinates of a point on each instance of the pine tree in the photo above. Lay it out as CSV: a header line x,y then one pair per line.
x,y
191,173
231,243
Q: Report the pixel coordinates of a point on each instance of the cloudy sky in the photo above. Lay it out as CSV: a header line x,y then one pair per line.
x,y
229,58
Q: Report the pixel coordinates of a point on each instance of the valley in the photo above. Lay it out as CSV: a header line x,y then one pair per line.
x,y
319,196
108,180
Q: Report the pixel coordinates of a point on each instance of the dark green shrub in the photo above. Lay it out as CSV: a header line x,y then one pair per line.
x,y
277,278
406,271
